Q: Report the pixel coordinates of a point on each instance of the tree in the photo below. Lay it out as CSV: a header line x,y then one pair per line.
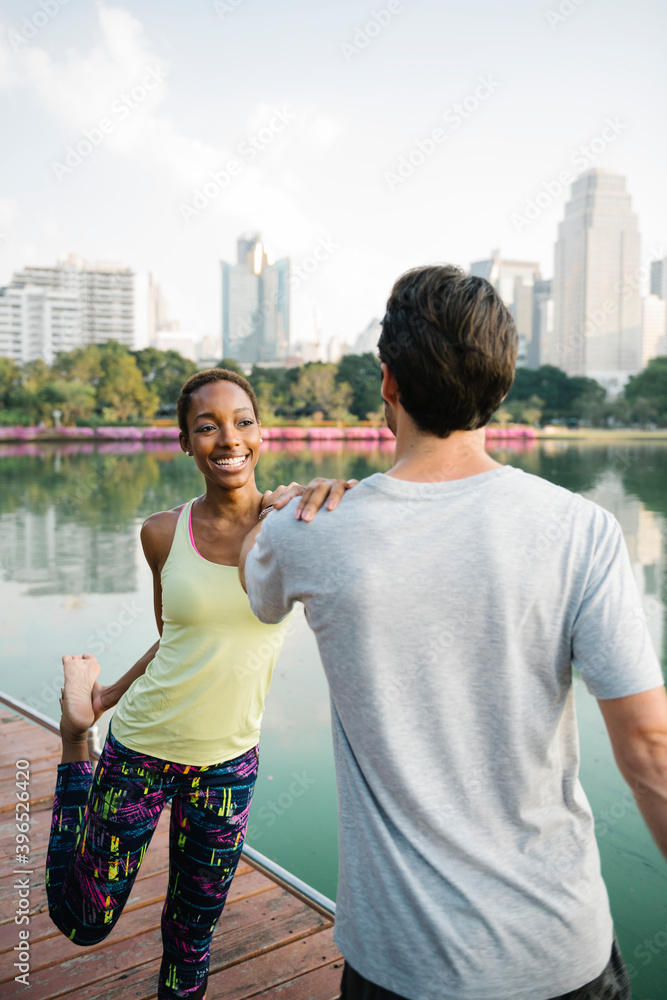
x,y
11,382
77,400
363,374
647,392
164,372
524,411
231,365
559,392
316,389
83,364
121,392
273,388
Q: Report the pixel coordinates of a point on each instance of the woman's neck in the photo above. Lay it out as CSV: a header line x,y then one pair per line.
x,y
232,505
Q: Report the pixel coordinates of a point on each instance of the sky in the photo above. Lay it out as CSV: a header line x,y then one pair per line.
x,y
383,135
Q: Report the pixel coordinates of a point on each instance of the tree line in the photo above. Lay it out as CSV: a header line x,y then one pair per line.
x,y
110,384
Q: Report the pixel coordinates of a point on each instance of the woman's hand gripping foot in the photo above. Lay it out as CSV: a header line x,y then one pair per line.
x,y
77,704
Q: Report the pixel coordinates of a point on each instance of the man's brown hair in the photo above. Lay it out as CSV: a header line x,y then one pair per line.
x,y
451,343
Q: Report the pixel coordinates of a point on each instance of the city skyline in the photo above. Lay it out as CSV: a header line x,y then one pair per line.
x,y
398,143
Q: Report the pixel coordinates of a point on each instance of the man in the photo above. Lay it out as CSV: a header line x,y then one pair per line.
x,y
450,598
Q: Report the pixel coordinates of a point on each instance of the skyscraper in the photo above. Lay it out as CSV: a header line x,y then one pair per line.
x,y
514,280
255,304
597,306
659,278
654,328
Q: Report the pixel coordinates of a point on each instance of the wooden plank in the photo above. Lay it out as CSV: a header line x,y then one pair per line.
x,y
246,883
32,744
137,918
322,984
276,968
249,926
40,788
8,771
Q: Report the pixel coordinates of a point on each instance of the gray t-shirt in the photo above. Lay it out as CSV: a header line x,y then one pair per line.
x,y
448,616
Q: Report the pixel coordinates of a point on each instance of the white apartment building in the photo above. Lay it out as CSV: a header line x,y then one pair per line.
x,y
104,291
37,322
654,328
597,305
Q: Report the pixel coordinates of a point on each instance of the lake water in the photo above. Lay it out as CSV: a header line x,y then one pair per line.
x,y
73,579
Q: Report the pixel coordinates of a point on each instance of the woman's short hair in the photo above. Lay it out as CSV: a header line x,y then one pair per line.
x,y
199,379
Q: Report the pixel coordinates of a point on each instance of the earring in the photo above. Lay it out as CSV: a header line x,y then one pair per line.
x,y
260,440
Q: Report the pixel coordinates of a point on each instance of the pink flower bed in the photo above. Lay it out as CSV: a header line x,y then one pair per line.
x,y
495,431
19,433
119,433
289,433
325,433
361,434
160,433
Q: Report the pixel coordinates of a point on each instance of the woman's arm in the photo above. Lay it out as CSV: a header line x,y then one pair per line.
x,y
105,698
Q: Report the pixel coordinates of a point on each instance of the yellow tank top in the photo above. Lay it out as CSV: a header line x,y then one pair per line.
x,y
201,699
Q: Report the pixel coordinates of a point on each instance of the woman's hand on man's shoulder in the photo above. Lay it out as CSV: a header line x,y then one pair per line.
x,y
317,494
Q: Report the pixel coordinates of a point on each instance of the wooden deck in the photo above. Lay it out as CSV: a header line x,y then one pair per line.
x,y
267,943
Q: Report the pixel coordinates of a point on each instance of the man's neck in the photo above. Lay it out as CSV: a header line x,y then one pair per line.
x,y
425,458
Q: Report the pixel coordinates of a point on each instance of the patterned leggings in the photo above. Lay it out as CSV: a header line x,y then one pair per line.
x,y
100,831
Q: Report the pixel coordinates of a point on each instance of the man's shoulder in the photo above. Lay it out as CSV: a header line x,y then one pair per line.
x,y
535,490
283,522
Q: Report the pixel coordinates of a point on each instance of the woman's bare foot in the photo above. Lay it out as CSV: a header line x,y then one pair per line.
x,y
77,705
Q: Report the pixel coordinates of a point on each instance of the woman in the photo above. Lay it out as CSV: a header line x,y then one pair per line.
x,y
187,723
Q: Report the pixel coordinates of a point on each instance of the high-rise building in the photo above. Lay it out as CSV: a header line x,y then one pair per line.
x,y
597,306
540,350
654,328
37,322
255,304
514,280
105,290
659,278
158,319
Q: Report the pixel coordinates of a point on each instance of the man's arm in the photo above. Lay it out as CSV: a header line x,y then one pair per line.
x,y
637,727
